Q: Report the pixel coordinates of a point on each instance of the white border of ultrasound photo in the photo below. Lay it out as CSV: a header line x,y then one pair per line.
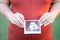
x,y
31,32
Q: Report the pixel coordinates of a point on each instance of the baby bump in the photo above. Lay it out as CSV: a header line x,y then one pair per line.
x,y
18,33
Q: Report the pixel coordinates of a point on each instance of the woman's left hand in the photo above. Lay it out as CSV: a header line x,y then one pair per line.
x,y
47,18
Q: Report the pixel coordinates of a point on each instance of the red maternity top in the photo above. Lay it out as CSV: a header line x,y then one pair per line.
x,y
32,10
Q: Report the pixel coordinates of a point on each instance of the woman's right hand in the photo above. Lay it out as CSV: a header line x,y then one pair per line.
x,y
17,19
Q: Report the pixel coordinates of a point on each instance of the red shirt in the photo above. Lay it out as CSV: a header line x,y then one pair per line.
x,y
32,10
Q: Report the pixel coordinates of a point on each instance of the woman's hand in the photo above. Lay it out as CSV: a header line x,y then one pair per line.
x,y
47,18
17,19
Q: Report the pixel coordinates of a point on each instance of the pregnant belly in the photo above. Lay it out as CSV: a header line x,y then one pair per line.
x,y
31,13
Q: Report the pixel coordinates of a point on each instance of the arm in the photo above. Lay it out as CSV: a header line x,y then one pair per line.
x,y
4,8
49,17
55,7
16,19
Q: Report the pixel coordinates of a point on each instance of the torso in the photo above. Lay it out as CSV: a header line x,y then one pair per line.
x,y
31,9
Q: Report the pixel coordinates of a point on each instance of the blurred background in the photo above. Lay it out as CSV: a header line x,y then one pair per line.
x,y
4,28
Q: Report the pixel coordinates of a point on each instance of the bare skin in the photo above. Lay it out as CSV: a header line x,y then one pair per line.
x,y
6,11
55,10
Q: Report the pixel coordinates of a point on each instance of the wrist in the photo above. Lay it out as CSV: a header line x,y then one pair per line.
x,y
8,15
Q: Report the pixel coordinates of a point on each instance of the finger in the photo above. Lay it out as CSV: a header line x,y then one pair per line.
x,y
46,20
44,17
21,23
46,24
40,23
19,19
13,21
45,14
17,23
20,15
49,21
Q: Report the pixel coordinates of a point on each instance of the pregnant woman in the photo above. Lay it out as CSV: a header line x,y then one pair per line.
x,y
43,10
